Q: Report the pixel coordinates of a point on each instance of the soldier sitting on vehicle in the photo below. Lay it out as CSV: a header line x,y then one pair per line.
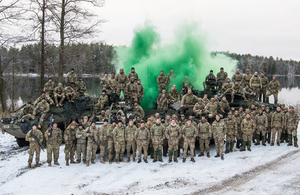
x,y
49,88
210,81
188,101
103,100
26,111
42,108
248,92
174,94
226,86
70,93
59,92
81,88
71,78
39,99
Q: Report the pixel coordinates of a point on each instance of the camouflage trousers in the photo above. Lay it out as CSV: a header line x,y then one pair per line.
x,y
139,100
103,147
120,149
131,145
256,91
230,138
275,130
52,148
34,148
262,94
81,149
132,97
173,144
101,105
70,147
240,92
36,111
260,129
157,147
91,151
110,147
219,143
274,93
247,138
121,87
142,145
239,134
189,108
189,142
161,86
204,143
61,99
292,131
70,96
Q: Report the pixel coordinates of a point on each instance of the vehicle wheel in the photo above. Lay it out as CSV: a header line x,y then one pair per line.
x,y
22,142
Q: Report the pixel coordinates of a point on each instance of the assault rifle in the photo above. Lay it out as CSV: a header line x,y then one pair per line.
x,y
37,141
50,126
92,137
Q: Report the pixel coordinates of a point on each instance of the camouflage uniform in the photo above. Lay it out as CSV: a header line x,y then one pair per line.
x,y
142,137
140,93
173,134
239,136
134,75
163,103
105,86
102,101
122,80
187,81
157,132
246,79
26,111
113,84
49,88
161,80
199,109
221,78
170,77
47,98
248,127
119,140
225,87
210,81
269,129
70,94
277,124
261,121
59,91
174,95
70,144
81,145
219,129
248,92
237,89
224,106
138,110
205,101
274,87
230,134
264,87
130,141
292,121
160,95
92,146
71,78
188,101
255,84
237,77
42,107
102,142
189,133
81,88
110,143
204,135
132,91
211,108
53,143
33,146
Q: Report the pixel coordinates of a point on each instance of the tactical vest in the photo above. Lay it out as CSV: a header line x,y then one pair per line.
x,y
236,87
213,107
158,130
230,124
122,78
189,131
204,127
132,87
120,137
264,81
142,134
255,81
238,77
260,120
247,78
222,76
162,79
248,125
55,136
174,132
59,90
277,117
274,85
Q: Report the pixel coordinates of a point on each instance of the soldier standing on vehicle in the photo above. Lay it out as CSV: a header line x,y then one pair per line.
x,y
264,87
247,77
140,92
248,127
133,91
173,134
70,93
53,137
92,134
187,81
110,142
49,88
189,134
205,135
130,141
255,84
81,144
71,78
261,121
33,136
237,77
70,143
122,80
103,100
277,124
230,133
133,74
119,141
292,121
59,92
210,81
157,132
105,83
162,81
221,77
112,82
81,88
219,129
274,87
142,137
102,140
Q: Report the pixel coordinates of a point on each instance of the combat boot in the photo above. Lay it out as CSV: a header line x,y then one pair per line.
x,y
222,157
49,164
56,163
193,160
117,161
175,157
170,158
122,160
227,148
102,160
128,159
208,155
155,158
133,159
258,140
238,144
249,146
145,160
73,162
201,154
272,144
165,151
67,163
139,161
160,157
243,148
84,161
231,146
263,141
29,165
184,159
88,163
78,161
217,156
269,138
290,140
282,137
296,141
278,144
37,164
93,162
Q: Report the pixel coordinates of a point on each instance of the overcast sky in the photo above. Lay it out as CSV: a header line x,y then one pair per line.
x,y
264,27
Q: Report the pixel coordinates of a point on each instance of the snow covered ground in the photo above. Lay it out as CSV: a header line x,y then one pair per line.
x,y
265,170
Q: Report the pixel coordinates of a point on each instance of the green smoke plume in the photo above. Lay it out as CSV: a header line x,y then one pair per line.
x,y
186,54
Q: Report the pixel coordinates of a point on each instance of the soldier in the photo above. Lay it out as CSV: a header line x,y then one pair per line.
x,y
255,84
174,94
189,133
102,140
226,85
230,133
103,100
162,81
237,77
292,121
122,80
170,77
248,92
264,86
140,92
133,92
119,140
157,116
70,143
70,93
54,139
219,129
247,77
71,78
137,122
210,81
221,77
138,110
160,94
27,110
105,83
49,88
163,103
224,105
92,146
238,120
59,92
199,108
150,145
241,111
112,82
284,134
81,88
33,137
253,110
46,97
142,138
102,116
205,100
42,108
248,127
211,108
168,119
110,141
269,129
187,81
85,123
184,90
274,87
261,121
133,74
188,101
157,133
81,143
173,135
130,141
236,89
204,136
277,124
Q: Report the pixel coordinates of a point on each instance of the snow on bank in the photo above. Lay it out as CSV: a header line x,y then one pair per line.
x,y
207,175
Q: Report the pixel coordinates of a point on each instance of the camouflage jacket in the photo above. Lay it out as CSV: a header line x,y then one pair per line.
x,y
261,120
170,77
39,99
292,120
269,117
104,86
274,85
248,126
113,83
59,91
110,135
69,90
119,134
198,107
255,82
205,102
142,134
212,108
28,110
174,95
71,77
222,76
134,75
277,119
204,130
37,133
157,133
226,86
173,133
161,79
103,133
159,97
231,126
49,86
80,86
223,105
219,129
55,136
264,82
92,134
189,132
248,91
140,90
132,88
138,110
69,134
236,88
210,77
43,107
130,132
246,79
237,77
103,99
122,78
238,119
189,99
81,136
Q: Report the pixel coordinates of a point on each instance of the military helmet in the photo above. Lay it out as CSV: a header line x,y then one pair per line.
x,y
263,105
80,125
248,70
268,107
291,107
285,108
132,78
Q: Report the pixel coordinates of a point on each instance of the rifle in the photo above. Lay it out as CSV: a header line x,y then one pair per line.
x,y
92,137
50,126
37,140
105,83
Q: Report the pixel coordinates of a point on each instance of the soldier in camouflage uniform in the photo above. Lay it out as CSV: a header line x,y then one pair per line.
x,y
221,77
173,134
49,88
205,100
210,81
247,77
264,86
199,108
71,78
248,127
162,81
226,85
239,136
132,90
102,142
141,92
81,143
189,133
110,142
236,88
70,143
119,141
174,94
122,80
170,77
33,146
230,133
27,110
86,123
92,146
59,92
43,108
133,75
103,100
138,110
188,101
237,77
81,88
204,132
163,103
219,129
142,137
105,83
160,94
292,121
39,99
248,92
157,132
54,139
224,105
186,81
112,82
274,87
130,141
284,134
211,108
70,93
261,121
255,84
277,124
269,129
